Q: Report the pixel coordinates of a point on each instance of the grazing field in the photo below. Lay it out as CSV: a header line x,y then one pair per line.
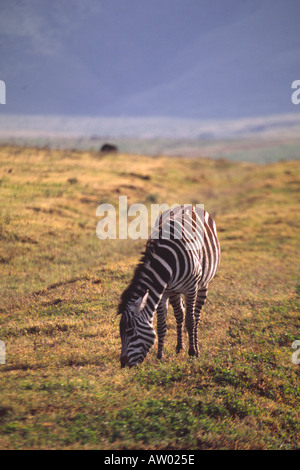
x,y
62,387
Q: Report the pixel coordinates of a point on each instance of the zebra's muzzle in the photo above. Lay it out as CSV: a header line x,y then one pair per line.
x,y
124,361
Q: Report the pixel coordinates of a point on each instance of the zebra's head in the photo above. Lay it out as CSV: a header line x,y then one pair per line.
x,y
137,332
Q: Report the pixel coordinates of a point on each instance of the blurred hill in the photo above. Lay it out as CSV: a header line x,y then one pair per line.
x,y
195,59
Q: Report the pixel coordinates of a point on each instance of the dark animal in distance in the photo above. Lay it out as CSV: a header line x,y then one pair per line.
x,y
109,148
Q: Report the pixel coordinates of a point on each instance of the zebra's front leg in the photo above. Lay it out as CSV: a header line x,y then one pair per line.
x,y
201,298
178,307
190,323
161,325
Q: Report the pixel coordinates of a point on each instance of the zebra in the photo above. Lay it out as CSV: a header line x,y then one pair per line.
x,y
172,267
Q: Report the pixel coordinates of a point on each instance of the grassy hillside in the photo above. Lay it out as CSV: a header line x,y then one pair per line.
x,y
62,387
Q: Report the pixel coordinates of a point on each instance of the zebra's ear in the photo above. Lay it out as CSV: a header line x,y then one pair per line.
x,y
140,303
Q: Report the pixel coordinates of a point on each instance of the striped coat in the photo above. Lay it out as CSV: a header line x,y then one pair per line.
x,y
181,258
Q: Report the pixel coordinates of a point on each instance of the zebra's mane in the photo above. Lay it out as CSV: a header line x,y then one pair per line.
x,y
139,269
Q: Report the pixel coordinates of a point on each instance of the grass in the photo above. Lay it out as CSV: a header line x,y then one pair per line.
x,y
62,387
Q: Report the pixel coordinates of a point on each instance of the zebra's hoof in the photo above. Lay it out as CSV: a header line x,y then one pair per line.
x,y
192,352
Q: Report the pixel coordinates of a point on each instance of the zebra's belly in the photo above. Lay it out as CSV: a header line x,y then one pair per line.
x,y
185,286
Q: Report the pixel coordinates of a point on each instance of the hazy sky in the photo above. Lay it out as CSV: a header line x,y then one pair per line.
x,y
179,58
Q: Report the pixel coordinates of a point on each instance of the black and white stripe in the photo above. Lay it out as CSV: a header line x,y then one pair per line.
x,y
181,258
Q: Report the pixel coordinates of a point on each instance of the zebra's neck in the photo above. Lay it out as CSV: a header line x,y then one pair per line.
x,y
152,274
151,281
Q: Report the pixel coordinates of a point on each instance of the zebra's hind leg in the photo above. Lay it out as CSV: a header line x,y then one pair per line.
x,y
178,307
161,325
201,298
190,298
